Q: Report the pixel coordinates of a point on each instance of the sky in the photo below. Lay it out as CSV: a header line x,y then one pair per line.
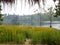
x,y
25,9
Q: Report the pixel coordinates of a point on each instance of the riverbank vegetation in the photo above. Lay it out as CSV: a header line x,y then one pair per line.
x,y
36,34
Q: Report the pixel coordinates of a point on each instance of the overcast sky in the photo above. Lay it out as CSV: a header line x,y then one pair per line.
x,y
24,9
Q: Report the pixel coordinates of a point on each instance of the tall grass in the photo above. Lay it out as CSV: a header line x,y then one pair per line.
x,y
46,37
40,35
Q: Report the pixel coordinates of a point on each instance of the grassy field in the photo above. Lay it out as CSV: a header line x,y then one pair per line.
x,y
15,34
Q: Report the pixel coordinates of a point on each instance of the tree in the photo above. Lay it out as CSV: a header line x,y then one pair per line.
x,y
0,16
57,9
50,17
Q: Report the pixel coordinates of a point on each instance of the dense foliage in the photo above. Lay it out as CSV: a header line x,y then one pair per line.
x,y
57,10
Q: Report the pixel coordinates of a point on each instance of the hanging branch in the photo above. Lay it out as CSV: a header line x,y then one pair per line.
x,y
54,0
34,2
7,1
31,2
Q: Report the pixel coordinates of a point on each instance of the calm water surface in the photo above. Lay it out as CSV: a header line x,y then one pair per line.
x,y
55,24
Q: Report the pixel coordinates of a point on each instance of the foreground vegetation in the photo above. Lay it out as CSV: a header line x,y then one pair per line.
x,y
37,35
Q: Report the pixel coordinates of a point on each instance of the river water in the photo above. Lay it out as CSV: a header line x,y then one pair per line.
x,y
55,24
